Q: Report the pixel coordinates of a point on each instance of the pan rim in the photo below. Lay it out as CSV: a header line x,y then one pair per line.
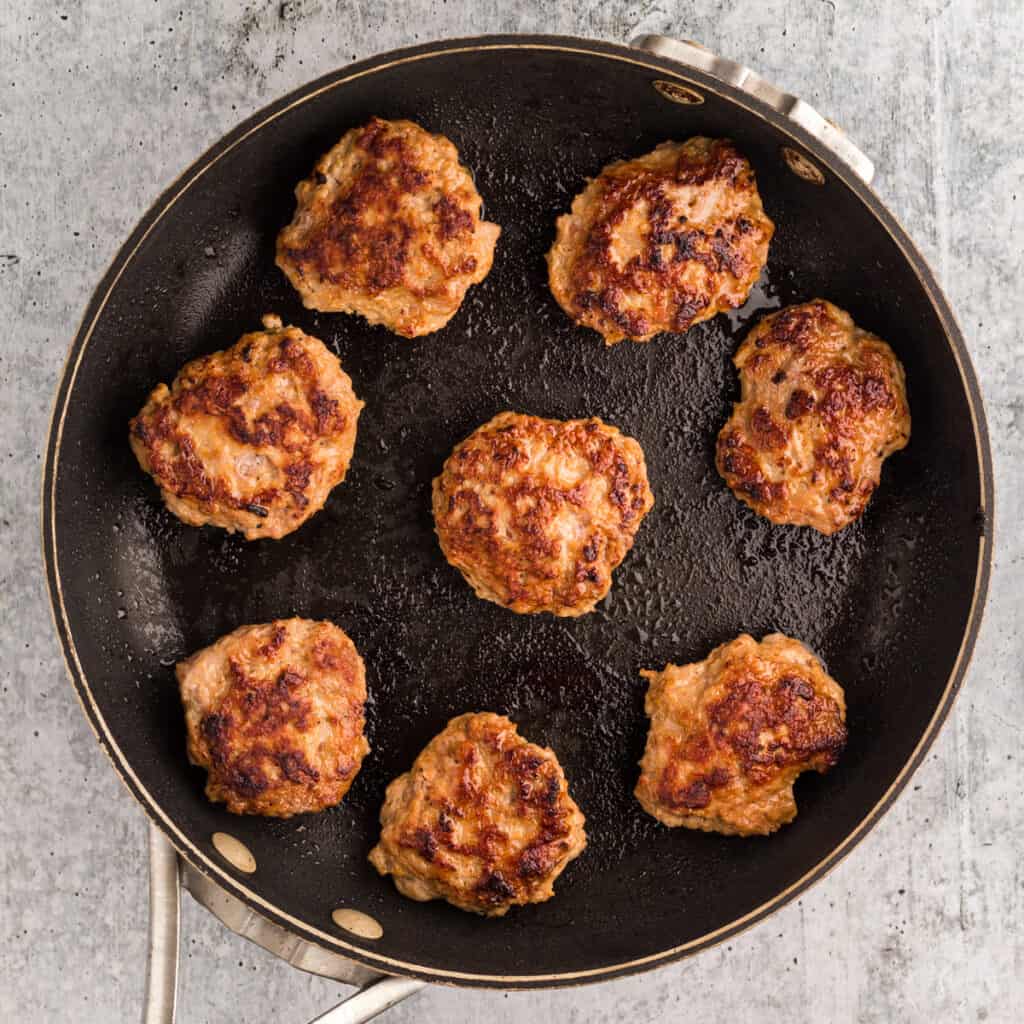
x,y
205,862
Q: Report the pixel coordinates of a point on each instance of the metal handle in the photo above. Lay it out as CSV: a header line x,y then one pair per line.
x,y
370,1000
697,57
164,918
167,873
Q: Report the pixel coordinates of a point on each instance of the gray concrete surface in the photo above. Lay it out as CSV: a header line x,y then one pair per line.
x,y
102,103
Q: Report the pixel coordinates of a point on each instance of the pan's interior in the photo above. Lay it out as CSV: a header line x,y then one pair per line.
x,y
885,602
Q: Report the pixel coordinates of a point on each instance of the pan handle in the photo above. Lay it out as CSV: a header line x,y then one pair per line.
x,y
164,919
370,1000
168,873
695,56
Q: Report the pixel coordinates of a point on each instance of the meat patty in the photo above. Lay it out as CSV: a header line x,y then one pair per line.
x,y
484,820
253,438
274,714
388,226
730,734
537,513
823,404
661,242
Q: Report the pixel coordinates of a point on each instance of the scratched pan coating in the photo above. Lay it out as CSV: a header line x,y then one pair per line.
x,y
891,603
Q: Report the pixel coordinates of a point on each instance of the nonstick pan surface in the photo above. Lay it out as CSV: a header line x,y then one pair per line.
x,y
891,603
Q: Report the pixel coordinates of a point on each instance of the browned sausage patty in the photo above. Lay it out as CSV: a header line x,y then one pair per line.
x,y
483,820
536,513
823,404
253,438
730,734
274,713
661,242
388,226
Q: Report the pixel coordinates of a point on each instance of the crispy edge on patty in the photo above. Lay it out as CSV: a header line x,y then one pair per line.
x,y
483,820
730,734
388,226
661,242
253,438
275,714
823,405
537,513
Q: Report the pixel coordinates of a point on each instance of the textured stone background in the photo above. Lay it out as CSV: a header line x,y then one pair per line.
x,y
103,103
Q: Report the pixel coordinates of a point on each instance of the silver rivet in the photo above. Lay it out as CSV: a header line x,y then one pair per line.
x,y
358,923
802,166
678,93
234,852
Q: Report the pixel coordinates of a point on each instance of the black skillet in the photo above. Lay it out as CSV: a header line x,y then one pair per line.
x,y
892,603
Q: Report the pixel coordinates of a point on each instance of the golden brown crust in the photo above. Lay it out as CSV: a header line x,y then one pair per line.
x,y
537,513
253,438
483,820
729,735
388,226
661,242
823,404
274,713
